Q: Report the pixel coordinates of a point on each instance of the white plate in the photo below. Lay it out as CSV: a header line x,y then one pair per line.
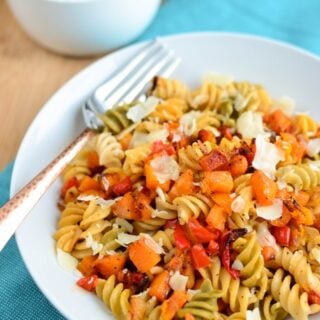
x,y
282,69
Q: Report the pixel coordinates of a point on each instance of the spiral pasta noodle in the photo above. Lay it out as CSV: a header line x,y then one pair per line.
x,y
166,89
305,124
301,176
114,296
272,310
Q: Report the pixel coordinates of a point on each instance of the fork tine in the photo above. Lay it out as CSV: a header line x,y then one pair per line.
x,y
155,63
115,81
164,69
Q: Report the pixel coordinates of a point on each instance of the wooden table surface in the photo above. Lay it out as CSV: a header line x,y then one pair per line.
x,y
29,75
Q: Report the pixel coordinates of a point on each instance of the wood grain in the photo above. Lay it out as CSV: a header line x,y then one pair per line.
x,y
29,75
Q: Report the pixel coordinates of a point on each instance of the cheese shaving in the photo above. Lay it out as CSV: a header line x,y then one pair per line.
x,y
253,314
238,204
237,265
66,260
265,238
165,168
267,156
152,244
178,282
313,147
271,212
250,124
141,110
140,138
124,238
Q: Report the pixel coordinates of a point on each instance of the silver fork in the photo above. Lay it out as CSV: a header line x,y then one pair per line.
x,y
127,85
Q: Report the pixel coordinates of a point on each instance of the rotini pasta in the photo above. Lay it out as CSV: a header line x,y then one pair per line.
x,y
204,206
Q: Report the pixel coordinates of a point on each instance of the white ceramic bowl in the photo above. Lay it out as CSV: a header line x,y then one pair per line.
x,y
84,27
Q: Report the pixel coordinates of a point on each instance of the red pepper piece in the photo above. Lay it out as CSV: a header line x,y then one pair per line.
x,y
226,241
171,223
282,235
88,283
199,232
122,187
182,241
72,182
160,147
213,247
215,160
226,132
313,297
206,135
199,257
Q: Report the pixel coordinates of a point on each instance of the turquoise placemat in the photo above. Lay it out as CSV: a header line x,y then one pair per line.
x,y
293,21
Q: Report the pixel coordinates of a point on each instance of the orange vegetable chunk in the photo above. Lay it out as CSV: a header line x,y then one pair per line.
x,y
223,200
111,264
238,165
159,287
88,183
183,185
217,181
87,266
217,218
264,189
278,122
152,181
172,305
142,256
124,207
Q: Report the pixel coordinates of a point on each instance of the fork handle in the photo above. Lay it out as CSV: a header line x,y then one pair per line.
x,y
17,208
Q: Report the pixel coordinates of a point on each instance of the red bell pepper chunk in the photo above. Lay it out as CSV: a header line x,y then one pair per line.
x,y
215,160
282,235
200,233
199,257
213,247
206,135
72,182
160,147
182,241
313,297
88,283
122,187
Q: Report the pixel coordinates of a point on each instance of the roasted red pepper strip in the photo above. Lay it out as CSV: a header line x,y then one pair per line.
x,y
72,182
199,256
88,283
122,187
182,241
282,235
200,233
226,241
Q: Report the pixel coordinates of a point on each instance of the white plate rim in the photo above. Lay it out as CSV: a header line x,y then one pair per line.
x,y
49,104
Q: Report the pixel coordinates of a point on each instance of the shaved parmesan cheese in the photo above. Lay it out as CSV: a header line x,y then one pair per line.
x,y
315,166
253,314
92,244
140,138
238,204
218,79
152,244
313,147
165,168
178,282
237,265
124,224
315,254
141,110
272,212
267,156
124,238
281,184
105,183
66,260
250,124
188,122
265,238
285,104
99,201
191,293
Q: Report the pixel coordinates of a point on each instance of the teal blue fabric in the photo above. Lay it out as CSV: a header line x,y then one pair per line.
x,y
293,21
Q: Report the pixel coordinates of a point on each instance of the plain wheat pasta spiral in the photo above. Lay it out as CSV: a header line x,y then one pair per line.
x,y
167,88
